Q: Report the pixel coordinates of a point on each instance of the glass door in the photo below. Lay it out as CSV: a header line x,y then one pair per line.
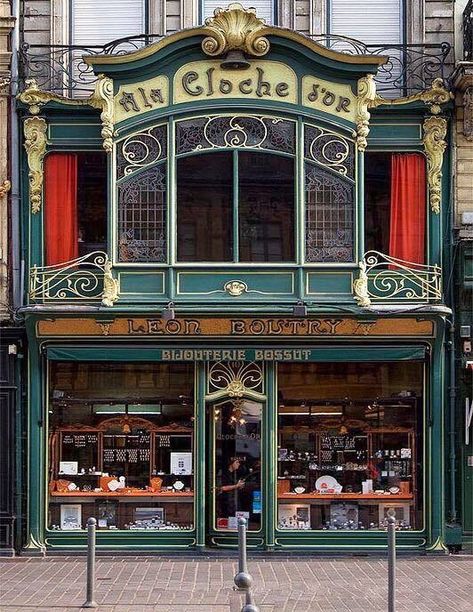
x,y
234,453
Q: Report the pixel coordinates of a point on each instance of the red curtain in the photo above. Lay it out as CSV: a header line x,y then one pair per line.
x,y
60,208
408,204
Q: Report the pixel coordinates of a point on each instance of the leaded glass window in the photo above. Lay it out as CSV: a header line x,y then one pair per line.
x,y
330,196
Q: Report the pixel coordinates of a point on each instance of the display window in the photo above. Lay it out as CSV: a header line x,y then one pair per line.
x,y
350,445
121,445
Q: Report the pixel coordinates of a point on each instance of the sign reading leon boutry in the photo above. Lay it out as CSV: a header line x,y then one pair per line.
x,y
263,80
233,327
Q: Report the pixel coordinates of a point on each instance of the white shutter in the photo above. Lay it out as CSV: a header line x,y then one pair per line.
x,y
96,22
264,8
371,21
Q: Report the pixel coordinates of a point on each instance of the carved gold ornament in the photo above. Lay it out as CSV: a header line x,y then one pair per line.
x,y
35,98
5,188
35,130
435,130
360,287
366,97
433,97
235,287
102,98
110,286
235,28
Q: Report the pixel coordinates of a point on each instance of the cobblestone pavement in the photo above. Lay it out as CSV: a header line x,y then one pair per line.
x,y
146,584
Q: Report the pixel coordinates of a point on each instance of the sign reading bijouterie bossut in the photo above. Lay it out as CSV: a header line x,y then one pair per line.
x,y
233,327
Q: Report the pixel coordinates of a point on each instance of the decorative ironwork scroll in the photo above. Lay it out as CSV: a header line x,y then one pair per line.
x,y
35,129
249,132
388,279
435,130
142,216
87,278
330,150
329,216
141,150
235,28
235,378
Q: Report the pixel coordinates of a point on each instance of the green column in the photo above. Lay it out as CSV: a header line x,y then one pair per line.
x,y
200,462
269,446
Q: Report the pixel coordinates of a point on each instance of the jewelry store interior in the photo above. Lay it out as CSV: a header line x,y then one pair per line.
x,y
347,448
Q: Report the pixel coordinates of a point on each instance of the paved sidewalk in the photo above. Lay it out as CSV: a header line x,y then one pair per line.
x,y
148,584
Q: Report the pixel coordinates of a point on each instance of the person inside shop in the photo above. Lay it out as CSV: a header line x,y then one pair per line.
x,y
231,484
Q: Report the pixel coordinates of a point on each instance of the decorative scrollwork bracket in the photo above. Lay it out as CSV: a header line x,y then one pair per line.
x,y
102,98
435,130
366,98
35,129
235,28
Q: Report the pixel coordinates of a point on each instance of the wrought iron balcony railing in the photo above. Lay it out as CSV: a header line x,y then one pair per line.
x,y
85,279
386,279
468,32
61,69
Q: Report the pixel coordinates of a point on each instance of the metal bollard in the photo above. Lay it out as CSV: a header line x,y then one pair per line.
x,y
391,563
90,601
243,580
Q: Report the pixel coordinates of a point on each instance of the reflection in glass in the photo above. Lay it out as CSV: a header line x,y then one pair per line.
x,y
237,460
266,207
350,445
121,445
205,207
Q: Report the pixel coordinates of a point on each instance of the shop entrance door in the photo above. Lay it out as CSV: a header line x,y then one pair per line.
x,y
234,454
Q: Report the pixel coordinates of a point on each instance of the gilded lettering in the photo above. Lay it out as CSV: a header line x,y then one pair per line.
x,y
328,99
187,79
145,99
343,104
135,328
128,102
156,96
225,86
314,94
210,87
275,327
257,327
333,324
192,327
154,326
282,90
237,326
245,86
173,327
263,88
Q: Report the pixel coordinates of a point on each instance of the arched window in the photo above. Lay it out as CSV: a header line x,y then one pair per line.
x,y
235,189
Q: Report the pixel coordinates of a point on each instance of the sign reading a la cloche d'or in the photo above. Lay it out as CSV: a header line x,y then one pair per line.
x,y
263,80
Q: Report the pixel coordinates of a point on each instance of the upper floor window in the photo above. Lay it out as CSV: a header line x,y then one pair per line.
x,y
265,9
97,23
368,21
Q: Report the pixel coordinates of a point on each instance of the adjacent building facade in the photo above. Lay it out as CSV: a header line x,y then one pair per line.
x,y
238,240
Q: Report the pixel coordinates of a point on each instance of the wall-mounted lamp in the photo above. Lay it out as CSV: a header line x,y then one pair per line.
x,y
168,313
300,309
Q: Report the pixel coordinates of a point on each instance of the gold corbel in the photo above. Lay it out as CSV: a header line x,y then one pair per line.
x,y
102,98
360,287
35,130
235,28
435,130
110,286
365,99
35,98
433,97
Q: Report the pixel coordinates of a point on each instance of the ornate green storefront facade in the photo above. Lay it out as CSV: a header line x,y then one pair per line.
x,y
258,332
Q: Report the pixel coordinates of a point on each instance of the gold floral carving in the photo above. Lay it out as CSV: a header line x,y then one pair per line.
x,y
5,188
235,288
102,98
435,130
35,98
35,129
433,97
235,28
236,388
360,287
366,97
110,286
